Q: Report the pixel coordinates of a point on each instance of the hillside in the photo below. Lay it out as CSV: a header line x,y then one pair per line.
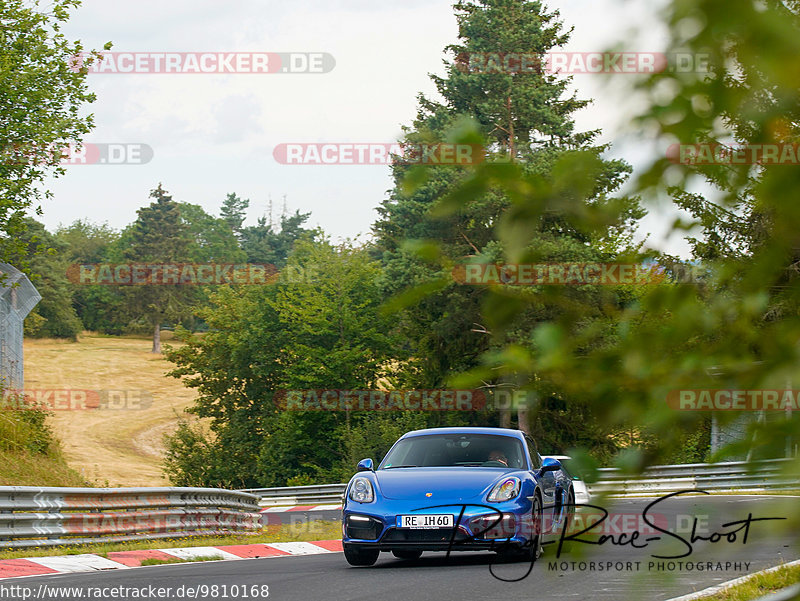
x,y
118,443
29,456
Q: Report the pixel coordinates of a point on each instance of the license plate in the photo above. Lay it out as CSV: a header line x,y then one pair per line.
x,y
425,521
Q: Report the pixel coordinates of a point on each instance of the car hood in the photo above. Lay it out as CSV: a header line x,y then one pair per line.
x,y
444,484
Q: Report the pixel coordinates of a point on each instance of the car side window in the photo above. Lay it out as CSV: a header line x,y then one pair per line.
x,y
536,461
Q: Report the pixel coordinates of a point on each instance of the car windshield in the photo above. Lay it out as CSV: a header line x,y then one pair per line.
x,y
456,450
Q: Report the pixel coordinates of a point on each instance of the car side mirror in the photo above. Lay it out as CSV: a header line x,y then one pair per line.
x,y
365,465
550,465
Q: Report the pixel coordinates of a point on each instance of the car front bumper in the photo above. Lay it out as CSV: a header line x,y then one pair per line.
x,y
374,525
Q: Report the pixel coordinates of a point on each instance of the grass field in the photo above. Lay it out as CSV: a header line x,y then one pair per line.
x,y
110,446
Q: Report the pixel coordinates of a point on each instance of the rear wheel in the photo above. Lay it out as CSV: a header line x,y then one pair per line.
x,y
570,515
358,556
569,520
407,554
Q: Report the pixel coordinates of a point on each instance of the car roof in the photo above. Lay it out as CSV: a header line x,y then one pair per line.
x,y
466,430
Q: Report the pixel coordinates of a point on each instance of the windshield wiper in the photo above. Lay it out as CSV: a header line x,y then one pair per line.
x,y
391,467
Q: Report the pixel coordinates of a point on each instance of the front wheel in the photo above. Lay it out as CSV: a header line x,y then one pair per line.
x,y
532,549
358,556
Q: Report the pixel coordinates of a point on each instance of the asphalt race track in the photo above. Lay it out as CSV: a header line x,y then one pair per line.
x,y
614,576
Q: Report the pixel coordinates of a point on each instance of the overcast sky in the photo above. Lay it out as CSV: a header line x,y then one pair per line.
x,y
214,133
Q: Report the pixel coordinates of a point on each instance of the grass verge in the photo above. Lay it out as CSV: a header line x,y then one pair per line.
x,y
23,468
759,585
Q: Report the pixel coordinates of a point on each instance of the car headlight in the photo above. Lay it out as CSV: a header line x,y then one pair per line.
x,y
505,490
361,491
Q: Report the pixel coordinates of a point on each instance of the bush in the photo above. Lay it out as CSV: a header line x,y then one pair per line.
x,y
26,430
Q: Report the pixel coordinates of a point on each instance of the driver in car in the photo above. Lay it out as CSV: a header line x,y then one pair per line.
x,y
498,456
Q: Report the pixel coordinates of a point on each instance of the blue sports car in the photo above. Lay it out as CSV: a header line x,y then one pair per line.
x,y
457,489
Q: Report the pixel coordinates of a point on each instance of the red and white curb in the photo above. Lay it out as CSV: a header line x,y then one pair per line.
x,y
62,564
300,508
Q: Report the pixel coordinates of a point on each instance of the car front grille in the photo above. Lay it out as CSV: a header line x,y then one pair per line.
x,y
439,535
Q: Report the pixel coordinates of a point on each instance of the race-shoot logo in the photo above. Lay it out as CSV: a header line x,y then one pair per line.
x,y
647,533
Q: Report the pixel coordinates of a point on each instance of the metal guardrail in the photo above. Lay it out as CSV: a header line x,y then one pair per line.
x,y
299,495
32,516
733,476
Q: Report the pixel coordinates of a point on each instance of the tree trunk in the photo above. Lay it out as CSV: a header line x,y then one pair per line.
x,y
505,404
522,418
505,418
512,150
157,339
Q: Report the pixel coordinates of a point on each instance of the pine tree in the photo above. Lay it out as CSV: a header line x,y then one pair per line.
x,y
159,236
525,117
233,212
263,244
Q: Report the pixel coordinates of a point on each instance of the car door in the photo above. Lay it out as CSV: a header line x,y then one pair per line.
x,y
547,480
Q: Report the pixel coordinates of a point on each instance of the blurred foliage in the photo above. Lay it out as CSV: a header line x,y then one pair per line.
x,y
438,217
598,361
742,322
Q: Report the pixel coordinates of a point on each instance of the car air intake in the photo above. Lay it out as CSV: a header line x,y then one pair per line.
x,y
363,527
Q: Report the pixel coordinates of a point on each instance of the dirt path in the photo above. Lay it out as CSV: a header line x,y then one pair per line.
x,y
119,443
